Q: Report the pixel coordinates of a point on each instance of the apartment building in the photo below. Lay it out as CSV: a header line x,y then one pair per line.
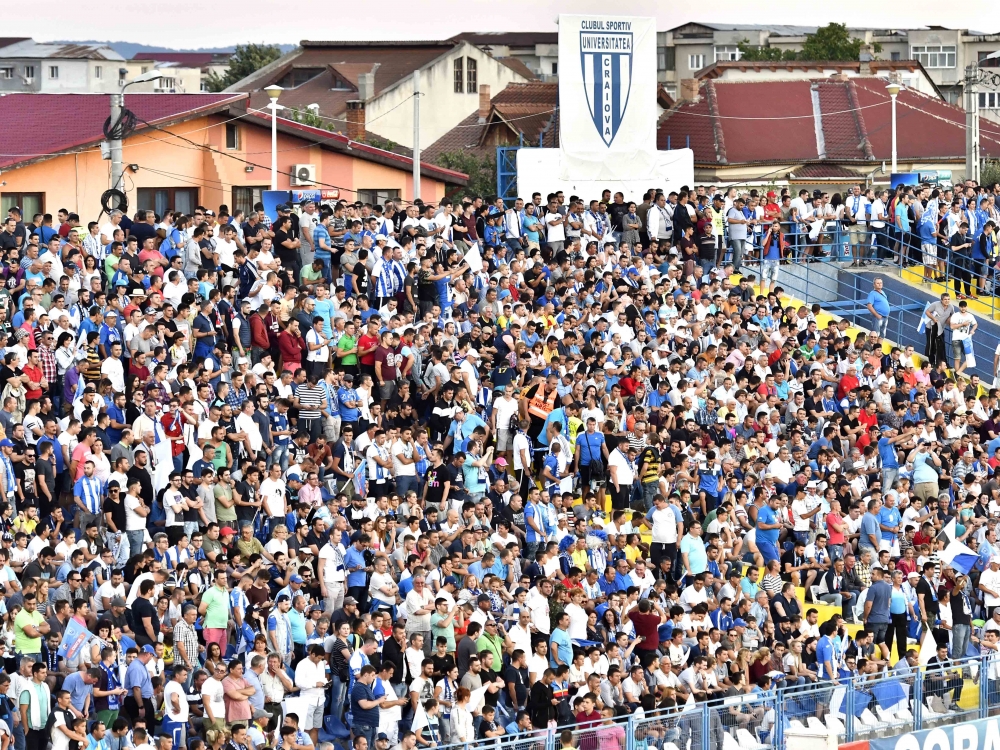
x,y
943,53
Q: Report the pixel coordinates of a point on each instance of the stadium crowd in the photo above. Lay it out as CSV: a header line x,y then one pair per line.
x,y
439,473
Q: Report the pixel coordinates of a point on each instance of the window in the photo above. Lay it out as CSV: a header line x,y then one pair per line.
x,y
232,136
204,86
471,79
378,196
934,55
894,56
990,100
728,53
145,69
162,200
244,199
53,71
992,62
555,68
696,62
29,72
298,76
458,66
6,74
167,84
98,72
30,203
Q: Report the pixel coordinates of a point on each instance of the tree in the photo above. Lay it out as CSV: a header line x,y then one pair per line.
x,y
482,170
246,59
829,43
833,42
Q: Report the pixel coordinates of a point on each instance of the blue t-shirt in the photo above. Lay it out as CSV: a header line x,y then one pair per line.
x,y
880,596
887,452
560,637
889,517
589,446
879,301
869,526
824,653
319,231
353,559
766,515
697,556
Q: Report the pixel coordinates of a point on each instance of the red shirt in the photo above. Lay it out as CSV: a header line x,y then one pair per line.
x,y
647,625
291,347
35,374
849,381
367,342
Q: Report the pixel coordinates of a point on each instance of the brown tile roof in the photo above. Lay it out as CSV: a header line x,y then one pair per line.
x,y
520,109
396,62
823,171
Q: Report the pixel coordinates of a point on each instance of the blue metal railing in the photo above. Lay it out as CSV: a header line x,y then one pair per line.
x,y
891,702
821,260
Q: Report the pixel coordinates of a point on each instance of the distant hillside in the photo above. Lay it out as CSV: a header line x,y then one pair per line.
x,y
128,50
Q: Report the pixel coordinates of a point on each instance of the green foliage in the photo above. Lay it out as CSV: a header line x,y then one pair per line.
x,y
482,171
246,59
306,117
989,172
830,43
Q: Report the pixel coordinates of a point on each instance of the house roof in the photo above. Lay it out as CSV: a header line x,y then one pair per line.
x,y
28,48
823,171
342,144
525,108
508,38
6,41
780,122
346,60
518,66
37,126
187,59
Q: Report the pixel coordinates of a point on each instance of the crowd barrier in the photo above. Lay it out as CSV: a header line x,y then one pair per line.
x,y
793,716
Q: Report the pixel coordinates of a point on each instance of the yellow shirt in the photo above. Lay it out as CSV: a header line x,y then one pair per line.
x,y
27,525
632,553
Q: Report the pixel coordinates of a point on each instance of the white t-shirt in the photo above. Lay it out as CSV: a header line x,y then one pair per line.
x,y
226,251
625,474
991,580
966,320
504,410
520,444
212,694
554,232
400,469
273,491
175,688
133,521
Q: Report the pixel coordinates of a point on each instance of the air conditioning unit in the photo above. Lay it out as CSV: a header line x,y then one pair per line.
x,y
303,174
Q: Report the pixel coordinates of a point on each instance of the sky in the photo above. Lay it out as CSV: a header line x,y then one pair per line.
x,y
185,24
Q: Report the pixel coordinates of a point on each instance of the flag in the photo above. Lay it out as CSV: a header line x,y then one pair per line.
x,y
949,532
970,356
959,558
924,323
75,637
361,479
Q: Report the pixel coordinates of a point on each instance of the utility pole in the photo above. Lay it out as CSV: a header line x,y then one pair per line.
x,y
416,134
971,123
115,146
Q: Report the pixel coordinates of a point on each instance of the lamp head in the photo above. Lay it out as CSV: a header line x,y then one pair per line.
x,y
273,91
892,88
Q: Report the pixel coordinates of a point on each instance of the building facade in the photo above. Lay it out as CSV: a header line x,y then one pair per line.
x,y
943,53
26,66
376,79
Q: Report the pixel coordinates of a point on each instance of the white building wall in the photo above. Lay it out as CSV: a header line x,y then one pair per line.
x,y
390,115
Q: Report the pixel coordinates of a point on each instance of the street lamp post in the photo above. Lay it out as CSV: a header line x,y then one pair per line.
x,y
893,89
273,93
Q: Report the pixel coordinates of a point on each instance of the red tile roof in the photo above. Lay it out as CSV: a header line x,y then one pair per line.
x,y
823,171
775,122
40,125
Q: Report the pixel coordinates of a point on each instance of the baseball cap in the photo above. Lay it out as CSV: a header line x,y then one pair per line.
x,y
147,649
118,601
295,579
501,461
381,736
350,600
739,622
6,443
226,531
452,580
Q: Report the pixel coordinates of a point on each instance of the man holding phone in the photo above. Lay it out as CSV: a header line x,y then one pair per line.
x,y
311,680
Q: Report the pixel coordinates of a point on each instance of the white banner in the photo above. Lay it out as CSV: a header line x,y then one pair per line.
x,y
607,96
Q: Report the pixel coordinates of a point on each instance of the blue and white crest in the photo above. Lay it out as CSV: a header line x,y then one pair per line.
x,y
606,58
